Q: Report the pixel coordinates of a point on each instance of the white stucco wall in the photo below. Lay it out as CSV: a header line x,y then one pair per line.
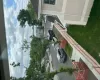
x,y
75,55
57,7
69,11
88,10
74,7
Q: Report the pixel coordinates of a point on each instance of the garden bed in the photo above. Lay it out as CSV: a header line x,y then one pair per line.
x,y
68,50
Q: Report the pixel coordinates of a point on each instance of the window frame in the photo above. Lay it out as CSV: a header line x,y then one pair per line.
x,y
50,2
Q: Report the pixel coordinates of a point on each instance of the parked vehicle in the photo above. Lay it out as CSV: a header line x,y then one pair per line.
x,y
61,55
51,33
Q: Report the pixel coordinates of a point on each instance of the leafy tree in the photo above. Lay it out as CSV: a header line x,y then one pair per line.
x,y
36,71
28,15
25,45
21,78
31,10
14,78
15,64
24,17
37,52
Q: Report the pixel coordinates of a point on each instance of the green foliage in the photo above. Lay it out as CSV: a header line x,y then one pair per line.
x,y
57,42
15,64
35,70
68,50
42,17
33,15
89,36
51,75
25,45
69,70
31,11
24,17
43,69
14,78
37,52
28,15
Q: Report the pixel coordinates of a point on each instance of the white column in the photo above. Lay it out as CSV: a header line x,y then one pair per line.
x,y
64,6
85,9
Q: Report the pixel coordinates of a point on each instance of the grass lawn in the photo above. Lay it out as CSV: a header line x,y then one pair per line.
x,y
89,36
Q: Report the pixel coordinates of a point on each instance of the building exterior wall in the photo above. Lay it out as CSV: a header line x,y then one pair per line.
x,y
75,55
74,7
57,7
72,17
88,10
69,11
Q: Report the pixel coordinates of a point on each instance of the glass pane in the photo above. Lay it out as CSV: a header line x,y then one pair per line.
x,y
46,1
52,1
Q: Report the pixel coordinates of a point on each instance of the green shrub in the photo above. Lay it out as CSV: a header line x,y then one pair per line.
x,y
68,50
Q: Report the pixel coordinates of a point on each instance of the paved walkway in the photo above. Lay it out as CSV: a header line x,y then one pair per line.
x,y
57,65
53,56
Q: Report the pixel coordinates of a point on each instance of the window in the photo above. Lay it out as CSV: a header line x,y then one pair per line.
x,y
49,2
